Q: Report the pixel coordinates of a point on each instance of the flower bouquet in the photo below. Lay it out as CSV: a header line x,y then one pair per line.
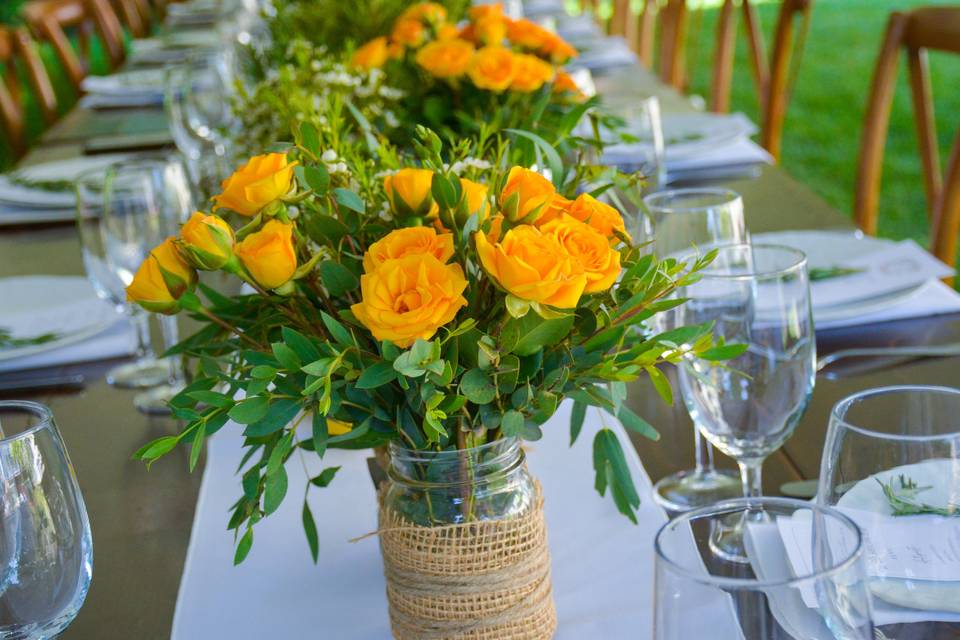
x,y
437,318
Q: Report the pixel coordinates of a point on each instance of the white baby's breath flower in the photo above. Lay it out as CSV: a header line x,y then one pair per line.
x,y
329,156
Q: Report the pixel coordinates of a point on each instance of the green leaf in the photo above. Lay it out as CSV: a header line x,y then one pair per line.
x,y
337,278
320,434
348,199
512,423
612,471
376,375
155,449
212,398
279,415
325,478
632,421
263,372
286,356
444,192
250,410
322,228
554,163
302,345
660,383
319,368
531,333
274,491
310,530
477,387
317,178
243,547
310,138
337,331
723,352
196,448
577,415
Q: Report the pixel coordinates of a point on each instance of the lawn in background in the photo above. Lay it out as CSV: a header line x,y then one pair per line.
x,y
824,122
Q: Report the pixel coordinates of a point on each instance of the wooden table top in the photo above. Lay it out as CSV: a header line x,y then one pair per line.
x,y
141,519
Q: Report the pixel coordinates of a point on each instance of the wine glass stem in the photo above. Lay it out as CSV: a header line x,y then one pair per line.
x,y
141,323
750,476
168,325
703,453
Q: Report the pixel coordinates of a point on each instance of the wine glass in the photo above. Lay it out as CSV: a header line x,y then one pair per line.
x,y
891,461
677,221
46,549
757,296
805,577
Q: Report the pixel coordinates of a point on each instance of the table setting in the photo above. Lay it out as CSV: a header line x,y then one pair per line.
x,y
416,337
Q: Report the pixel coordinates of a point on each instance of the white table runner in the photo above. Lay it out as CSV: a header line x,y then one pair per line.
x,y
602,564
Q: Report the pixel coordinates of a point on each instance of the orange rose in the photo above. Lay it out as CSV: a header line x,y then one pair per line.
x,y
533,266
259,182
559,50
481,11
531,73
425,11
207,241
563,82
372,55
600,262
598,215
447,32
409,33
528,35
525,195
409,298
408,242
475,199
446,58
161,279
269,255
492,68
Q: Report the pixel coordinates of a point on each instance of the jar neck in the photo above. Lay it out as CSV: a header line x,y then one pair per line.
x,y
455,467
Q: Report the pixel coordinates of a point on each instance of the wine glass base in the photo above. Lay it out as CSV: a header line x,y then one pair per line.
x,y
142,374
154,401
693,489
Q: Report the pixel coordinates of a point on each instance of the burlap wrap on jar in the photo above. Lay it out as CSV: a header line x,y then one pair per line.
x,y
486,580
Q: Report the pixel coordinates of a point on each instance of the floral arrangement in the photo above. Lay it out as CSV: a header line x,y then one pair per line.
x,y
441,310
491,74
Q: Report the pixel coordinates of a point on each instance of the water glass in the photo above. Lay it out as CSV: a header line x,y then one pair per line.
x,y
677,221
46,551
757,296
891,461
804,578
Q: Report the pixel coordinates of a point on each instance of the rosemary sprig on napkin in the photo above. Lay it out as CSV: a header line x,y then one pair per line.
x,y
818,274
904,500
57,186
7,341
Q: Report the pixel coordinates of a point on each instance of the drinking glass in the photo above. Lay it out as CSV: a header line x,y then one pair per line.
x,y
891,461
677,221
757,296
804,580
46,552
125,212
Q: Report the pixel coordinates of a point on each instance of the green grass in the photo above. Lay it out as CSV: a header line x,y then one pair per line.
x,y
825,119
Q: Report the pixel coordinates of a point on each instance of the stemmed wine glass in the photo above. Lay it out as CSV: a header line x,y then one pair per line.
x,y
123,213
891,461
678,221
805,578
757,296
46,551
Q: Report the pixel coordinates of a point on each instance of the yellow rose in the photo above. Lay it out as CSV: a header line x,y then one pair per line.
x,y
338,427
410,298
162,278
528,35
409,33
207,241
475,199
492,68
533,266
481,11
558,49
446,58
408,191
429,11
600,262
525,195
372,55
531,74
563,82
269,255
408,242
447,32
598,215
489,29
259,182
558,206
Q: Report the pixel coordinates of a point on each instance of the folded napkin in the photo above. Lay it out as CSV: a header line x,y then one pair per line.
x,y
735,158
607,53
126,83
537,8
124,101
577,29
116,341
933,298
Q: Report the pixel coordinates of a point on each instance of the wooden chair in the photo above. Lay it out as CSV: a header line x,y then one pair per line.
x,y
640,31
17,49
50,19
917,31
135,14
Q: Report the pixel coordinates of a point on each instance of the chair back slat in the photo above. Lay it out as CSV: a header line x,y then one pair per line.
x,y
913,32
17,46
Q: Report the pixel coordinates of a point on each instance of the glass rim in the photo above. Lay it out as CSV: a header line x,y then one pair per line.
x,y
397,445
731,197
800,261
756,584
41,411
839,410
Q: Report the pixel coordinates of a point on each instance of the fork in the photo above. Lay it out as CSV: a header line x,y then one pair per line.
x,y
941,350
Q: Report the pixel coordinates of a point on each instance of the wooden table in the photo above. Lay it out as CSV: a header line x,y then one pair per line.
x,y
141,519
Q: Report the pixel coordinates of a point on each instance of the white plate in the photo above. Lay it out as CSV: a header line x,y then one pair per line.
x,y
690,134
65,305
826,249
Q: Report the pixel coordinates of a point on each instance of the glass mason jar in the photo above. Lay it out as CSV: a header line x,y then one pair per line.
x,y
488,482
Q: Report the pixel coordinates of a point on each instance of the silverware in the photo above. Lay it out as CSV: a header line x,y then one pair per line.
x,y
941,350
28,383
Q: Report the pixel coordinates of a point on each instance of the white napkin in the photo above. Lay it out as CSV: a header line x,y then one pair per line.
x,y
124,101
602,564
140,81
543,7
932,299
582,28
609,53
116,341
